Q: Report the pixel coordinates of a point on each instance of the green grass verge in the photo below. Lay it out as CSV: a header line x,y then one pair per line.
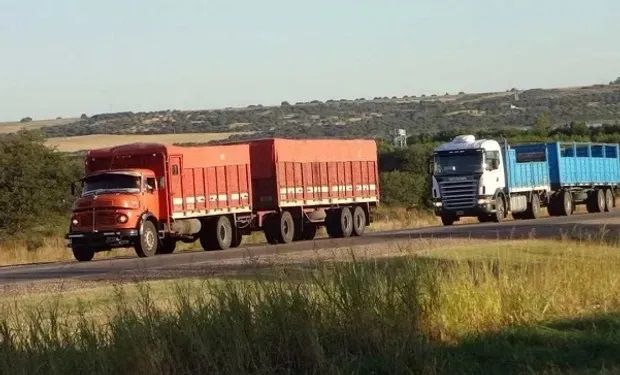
x,y
505,307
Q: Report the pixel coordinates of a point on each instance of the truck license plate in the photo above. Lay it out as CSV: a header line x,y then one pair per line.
x,y
460,213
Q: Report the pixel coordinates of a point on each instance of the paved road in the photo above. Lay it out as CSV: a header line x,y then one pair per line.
x,y
595,225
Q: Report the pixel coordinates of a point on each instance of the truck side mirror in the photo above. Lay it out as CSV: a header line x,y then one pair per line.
x,y
431,167
73,188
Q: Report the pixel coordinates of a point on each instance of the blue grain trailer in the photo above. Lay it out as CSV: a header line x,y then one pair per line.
x,y
484,179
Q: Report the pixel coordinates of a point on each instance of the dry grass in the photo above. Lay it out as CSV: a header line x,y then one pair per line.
x,y
13,127
87,142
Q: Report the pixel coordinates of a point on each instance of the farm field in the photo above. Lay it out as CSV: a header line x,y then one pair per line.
x,y
15,126
86,142
535,306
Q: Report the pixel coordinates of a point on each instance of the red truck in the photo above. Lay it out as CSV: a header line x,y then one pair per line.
x,y
150,196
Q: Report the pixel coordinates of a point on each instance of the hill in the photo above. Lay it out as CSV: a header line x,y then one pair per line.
x,y
596,105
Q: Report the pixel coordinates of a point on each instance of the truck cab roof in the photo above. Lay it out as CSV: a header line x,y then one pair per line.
x,y
469,142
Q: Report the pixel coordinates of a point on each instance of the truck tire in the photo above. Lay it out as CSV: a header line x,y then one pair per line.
x,y
609,200
167,246
447,219
82,254
500,209
533,208
286,228
236,241
596,201
339,222
147,244
359,221
484,218
217,235
565,203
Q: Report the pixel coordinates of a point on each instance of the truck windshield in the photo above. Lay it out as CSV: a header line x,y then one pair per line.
x,y
110,182
464,163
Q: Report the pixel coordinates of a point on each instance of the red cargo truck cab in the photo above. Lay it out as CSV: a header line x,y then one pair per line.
x,y
299,185
150,196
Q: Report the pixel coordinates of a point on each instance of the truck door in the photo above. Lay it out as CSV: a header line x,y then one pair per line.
x,y
176,185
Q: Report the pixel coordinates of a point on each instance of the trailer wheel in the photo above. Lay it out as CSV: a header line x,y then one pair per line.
x,y
309,232
359,221
217,234
500,209
167,246
270,228
565,203
286,230
82,254
609,200
339,222
147,244
533,208
596,201
447,219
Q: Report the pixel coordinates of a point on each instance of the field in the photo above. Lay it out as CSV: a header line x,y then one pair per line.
x,y
12,127
86,142
500,307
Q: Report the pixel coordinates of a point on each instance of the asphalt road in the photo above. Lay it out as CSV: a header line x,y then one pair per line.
x,y
579,225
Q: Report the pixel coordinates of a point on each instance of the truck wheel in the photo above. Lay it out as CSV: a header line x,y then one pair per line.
x,y
167,246
286,230
309,232
596,201
500,209
533,208
339,222
218,234
359,221
484,218
565,203
147,244
236,241
447,219
82,254
609,200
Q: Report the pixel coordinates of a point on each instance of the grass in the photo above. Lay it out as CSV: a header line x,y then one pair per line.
x,y
503,307
15,126
87,142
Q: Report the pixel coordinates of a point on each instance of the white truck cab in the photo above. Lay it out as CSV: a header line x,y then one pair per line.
x,y
469,180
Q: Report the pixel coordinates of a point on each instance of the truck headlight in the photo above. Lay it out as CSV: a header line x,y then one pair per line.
x,y
75,221
122,219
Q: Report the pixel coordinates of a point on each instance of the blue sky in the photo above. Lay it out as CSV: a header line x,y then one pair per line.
x,y
66,57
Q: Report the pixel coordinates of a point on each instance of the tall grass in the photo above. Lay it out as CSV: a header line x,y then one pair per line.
x,y
493,312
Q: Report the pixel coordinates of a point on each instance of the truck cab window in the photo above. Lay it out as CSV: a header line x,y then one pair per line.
x,y
492,160
151,184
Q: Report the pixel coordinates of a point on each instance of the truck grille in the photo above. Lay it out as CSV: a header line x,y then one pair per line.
x,y
458,195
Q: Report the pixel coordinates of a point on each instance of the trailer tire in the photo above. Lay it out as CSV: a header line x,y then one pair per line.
x,y
82,254
148,242
596,201
447,219
500,209
339,222
565,203
533,208
217,235
309,232
359,221
167,246
609,200
270,228
286,228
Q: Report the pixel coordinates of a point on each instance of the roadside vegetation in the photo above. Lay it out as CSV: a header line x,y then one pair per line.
x,y
519,307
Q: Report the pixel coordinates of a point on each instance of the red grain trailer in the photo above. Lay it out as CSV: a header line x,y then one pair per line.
x,y
150,196
302,184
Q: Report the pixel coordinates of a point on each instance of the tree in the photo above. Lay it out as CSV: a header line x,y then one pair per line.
x,y
84,116
542,126
617,81
26,119
285,104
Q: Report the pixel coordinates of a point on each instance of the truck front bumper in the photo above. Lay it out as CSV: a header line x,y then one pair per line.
x,y
484,205
104,240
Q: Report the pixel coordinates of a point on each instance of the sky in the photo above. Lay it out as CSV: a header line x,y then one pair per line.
x,y
68,57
